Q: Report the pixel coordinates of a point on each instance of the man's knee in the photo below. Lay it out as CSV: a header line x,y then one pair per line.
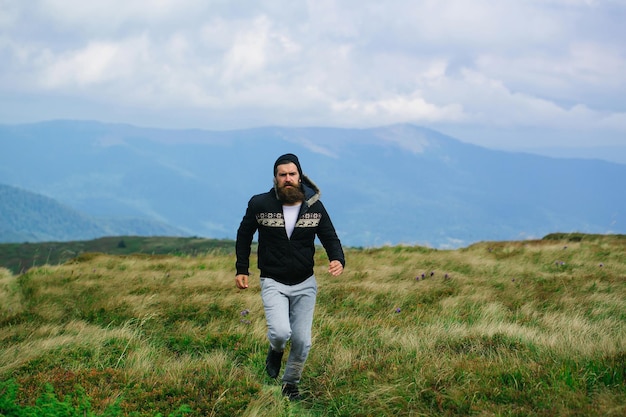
x,y
279,336
301,343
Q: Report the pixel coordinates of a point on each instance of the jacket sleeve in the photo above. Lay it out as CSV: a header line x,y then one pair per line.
x,y
328,236
245,233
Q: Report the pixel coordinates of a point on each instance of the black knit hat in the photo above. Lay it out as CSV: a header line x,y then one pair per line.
x,y
285,159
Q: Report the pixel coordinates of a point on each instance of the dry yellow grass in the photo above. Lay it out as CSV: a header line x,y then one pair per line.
x,y
507,328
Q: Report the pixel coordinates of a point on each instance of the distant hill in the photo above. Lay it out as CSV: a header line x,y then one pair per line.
x,y
392,184
30,217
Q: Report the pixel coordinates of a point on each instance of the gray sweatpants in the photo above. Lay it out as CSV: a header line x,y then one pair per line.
x,y
289,314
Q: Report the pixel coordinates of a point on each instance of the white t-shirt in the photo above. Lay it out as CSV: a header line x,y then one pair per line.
x,y
291,217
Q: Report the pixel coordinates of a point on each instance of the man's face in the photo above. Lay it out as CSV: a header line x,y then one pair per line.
x,y
287,175
288,184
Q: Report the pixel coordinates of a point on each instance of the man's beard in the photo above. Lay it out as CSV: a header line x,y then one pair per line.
x,y
290,195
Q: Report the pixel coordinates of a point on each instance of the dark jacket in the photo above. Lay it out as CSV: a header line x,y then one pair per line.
x,y
286,260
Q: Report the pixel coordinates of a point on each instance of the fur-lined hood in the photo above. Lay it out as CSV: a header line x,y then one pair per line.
x,y
312,192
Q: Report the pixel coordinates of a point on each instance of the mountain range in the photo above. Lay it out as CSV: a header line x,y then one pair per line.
x,y
31,217
388,185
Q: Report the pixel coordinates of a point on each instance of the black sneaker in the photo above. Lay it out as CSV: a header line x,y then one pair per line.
x,y
273,362
291,392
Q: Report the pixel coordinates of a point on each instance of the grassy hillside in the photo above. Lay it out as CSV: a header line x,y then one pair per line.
x,y
534,328
19,257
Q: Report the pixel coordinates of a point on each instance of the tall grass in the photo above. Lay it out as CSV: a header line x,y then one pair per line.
x,y
534,328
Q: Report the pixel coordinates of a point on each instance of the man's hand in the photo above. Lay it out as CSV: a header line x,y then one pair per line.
x,y
241,281
335,268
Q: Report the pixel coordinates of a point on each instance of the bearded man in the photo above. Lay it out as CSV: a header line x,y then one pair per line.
x,y
287,218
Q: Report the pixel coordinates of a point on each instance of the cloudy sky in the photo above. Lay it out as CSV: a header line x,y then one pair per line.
x,y
500,73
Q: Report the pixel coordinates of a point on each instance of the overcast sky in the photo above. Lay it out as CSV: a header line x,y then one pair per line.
x,y
501,73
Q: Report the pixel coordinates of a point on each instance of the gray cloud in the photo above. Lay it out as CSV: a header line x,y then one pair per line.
x,y
487,64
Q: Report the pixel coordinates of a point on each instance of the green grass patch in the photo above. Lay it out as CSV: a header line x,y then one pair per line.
x,y
499,329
